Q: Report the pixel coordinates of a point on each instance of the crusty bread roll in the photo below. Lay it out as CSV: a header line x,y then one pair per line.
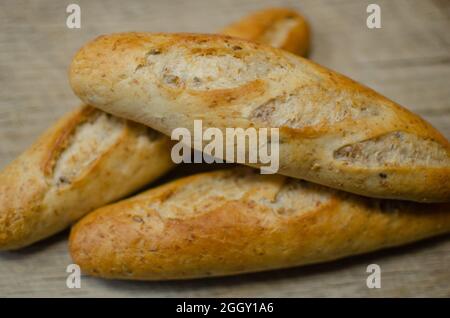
x,y
333,131
90,158
87,159
278,27
236,221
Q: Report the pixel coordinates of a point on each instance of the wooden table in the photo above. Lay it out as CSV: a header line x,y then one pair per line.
x,y
408,60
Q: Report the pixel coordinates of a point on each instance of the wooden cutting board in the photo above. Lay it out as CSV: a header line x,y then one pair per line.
x,y
408,60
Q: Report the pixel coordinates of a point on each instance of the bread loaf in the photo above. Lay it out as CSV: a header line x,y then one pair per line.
x,y
237,221
333,131
87,159
90,158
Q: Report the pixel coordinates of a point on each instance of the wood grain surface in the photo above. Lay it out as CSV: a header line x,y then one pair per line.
x,y
408,60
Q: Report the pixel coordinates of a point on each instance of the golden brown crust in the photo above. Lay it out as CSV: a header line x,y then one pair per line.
x,y
278,27
61,138
61,178
334,131
236,221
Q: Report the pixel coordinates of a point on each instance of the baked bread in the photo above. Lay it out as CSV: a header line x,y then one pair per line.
x,y
236,221
86,160
333,131
278,27
90,158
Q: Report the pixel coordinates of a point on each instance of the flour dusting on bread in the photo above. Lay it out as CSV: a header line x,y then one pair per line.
x,y
201,67
276,194
394,149
207,194
278,32
297,197
313,105
88,142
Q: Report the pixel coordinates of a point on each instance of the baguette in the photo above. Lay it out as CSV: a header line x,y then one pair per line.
x,y
87,159
51,185
333,131
237,221
278,27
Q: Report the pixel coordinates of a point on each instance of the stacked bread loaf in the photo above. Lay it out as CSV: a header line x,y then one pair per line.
x,y
351,160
